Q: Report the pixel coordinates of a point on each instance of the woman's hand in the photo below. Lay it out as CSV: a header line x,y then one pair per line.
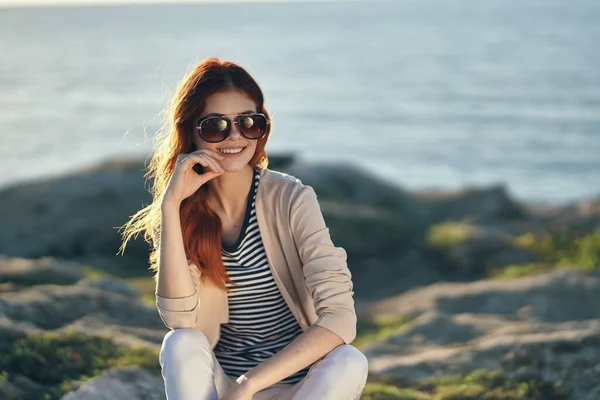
x,y
238,391
185,181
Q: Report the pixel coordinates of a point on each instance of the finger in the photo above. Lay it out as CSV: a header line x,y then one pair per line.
x,y
205,161
193,159
215,166
210,175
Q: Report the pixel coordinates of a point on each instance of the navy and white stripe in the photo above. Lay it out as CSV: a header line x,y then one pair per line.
x,y
260,321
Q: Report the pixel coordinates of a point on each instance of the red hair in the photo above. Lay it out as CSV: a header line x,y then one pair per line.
x,y
201,226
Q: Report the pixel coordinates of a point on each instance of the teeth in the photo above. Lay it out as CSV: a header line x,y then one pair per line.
x,y
231,151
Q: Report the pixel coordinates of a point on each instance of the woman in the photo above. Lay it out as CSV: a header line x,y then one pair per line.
x,y
258,299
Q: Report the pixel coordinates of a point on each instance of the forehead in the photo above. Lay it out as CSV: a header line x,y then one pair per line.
x,y
228,103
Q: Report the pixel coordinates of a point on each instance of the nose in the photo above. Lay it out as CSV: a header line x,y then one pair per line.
x,y
235,132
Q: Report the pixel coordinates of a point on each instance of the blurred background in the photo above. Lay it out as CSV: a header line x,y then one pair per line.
x,y
454,145
426,93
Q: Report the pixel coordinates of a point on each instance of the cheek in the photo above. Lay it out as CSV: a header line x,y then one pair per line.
x,y
252,149
205,145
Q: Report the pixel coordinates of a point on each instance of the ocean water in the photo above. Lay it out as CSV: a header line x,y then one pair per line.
x,y
428,94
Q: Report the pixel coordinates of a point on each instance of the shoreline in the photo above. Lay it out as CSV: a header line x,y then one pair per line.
x,y
277,158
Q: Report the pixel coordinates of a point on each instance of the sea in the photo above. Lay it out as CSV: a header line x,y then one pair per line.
x,y
428,94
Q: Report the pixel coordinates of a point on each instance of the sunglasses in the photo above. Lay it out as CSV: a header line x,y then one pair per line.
x,y
214,129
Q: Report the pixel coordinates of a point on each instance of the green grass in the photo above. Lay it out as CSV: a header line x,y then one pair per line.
x,y
478,384
447,234
379,328
564,248
145,286
59,360
560,249
382,391
519,270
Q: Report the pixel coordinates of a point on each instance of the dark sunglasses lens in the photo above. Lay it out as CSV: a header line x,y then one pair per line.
x,y
214,129
252,126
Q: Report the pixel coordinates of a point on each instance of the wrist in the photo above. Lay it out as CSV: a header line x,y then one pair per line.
x,y
246,384
168,203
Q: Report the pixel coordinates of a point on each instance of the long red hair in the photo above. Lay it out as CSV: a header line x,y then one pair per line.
x,y
201,226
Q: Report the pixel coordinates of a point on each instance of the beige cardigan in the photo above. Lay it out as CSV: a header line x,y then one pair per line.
x,y
309,270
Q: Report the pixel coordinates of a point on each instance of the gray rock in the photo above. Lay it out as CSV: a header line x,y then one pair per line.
x,y
25,272
484,248
111,284
19,387
581,217
51,306
74,214
346,183
544,327
128,383
556,296
478,204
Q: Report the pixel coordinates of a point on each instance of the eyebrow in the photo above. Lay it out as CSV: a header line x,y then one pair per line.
x,y
222,115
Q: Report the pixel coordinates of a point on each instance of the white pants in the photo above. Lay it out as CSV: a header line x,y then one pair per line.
x,y
191,372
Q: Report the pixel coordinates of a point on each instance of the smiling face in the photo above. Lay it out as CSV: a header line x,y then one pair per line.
x,y
238,150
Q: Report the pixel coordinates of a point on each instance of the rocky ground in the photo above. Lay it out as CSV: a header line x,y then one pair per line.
x,y
461,294
543,328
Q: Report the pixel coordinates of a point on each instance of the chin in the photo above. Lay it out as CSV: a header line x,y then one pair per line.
x,y
235,167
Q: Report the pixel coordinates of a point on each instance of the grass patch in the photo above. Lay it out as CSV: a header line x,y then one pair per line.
x,y
145,286
560,249
476,385
379,328
447,234
519,270
59,361
383,391
564,247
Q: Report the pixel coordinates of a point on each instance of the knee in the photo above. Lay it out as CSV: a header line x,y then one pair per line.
x,y
180,344
350,362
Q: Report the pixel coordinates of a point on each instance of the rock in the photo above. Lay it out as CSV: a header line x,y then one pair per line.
x,y
74,214
281,161
10,331
18,387
539,357
77,214
581,217
556,296
348,184
365,231
111,284
375,278
471,250
98,307
128,383
51,306
380,226
25,272
545,327
486,204
375,221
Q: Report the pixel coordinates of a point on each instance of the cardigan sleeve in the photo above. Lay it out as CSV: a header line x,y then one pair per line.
x,y
327,276
179,312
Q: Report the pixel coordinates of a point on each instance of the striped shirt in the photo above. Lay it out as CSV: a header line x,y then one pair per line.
x,y
260,321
